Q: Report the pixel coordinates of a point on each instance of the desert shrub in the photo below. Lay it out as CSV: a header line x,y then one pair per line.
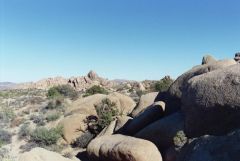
x,y
53,117
62,90
106,113
56,103
5,137
163,85
45,137
38,119
180,139
83,140
53,93
5,155
131,90
24,131
95,90
6,114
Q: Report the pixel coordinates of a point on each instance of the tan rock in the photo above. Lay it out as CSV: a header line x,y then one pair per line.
x,y
40,154
86,105
108,130
145,101
208,59
73,127
122,148
121,122
162,132
126,103
150,115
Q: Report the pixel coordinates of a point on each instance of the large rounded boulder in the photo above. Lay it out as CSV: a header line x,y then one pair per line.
x,y
180,85
122,148
212,148
145,101
150,115
73,127
163,131
173,96
211,102
87,105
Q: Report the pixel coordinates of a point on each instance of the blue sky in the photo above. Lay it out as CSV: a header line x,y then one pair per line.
x,y
130,39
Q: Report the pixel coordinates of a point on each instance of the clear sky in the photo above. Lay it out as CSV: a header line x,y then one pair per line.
x,y
129,39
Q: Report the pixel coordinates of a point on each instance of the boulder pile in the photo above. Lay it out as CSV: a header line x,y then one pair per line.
x,y
196,119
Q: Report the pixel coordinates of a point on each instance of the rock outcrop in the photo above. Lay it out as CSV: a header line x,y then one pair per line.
x,y
122,148
162,132
150,115
180,84
211,102
173,96
237,57
208,59
86,105
74,124
212,148
145,101
73,127
80,83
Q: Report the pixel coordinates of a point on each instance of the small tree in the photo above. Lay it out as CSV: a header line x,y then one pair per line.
x,y
163,85
5,137
62,90
106,113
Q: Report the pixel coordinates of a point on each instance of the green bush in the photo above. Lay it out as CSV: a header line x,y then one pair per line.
x,y
163,85
180,139
38,119
95,90
45,137
24,131
5,137
56,103
106,113
53,117
62,90
53,93
6,114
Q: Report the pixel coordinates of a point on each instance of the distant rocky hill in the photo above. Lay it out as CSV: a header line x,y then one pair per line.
x,y
6,85
81,83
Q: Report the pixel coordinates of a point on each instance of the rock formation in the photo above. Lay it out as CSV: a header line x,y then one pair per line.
x,y
237,57
122,148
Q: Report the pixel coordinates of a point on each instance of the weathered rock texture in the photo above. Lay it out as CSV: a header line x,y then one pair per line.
x,y
40,154
211,102
162,132
122,148
237,57
145,101
151,114
212,148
